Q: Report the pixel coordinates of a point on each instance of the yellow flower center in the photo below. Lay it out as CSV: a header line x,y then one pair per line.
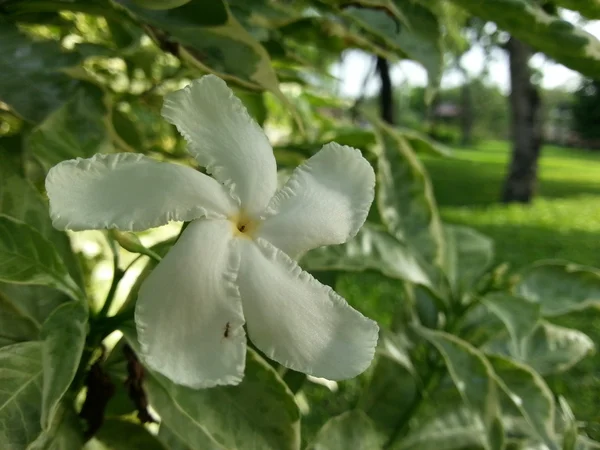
x,y
244,226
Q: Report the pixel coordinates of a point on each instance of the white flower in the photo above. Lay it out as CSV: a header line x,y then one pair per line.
x,y
233,263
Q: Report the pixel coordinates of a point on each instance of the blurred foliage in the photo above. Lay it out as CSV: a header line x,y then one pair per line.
x,y
468,351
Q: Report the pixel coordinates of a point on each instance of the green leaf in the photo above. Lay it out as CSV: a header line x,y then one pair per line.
x,y
259,413
27,257
64,334
560,288
570,425
20,395
405,197
421,143
76,129
419,36
557,38
173,442
21,201
587,8
31,77
65,431
469,254
553,349
519,316
212,39
121,434
373,248
350,430
458,429
530,395
390,394
474,378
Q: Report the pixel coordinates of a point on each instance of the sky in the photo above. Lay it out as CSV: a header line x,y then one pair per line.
x,y
356,64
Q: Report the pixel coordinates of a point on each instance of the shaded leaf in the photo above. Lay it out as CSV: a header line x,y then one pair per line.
x,y
560,288
63,334
390,393
20,394
27,257
529,393
473,376
519,316
213,40
64,433
21,201
121,434
469,254
31,77
350,430
458,429
76,129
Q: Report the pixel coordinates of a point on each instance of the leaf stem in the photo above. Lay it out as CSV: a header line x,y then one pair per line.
x,y
117,277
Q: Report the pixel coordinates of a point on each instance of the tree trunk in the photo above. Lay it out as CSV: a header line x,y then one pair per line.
x,y
526,126
386,100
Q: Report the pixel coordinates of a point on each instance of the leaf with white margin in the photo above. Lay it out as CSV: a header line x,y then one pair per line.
x,y
350,430
20,394
260,413
469,254
373,248
26,257
63,335
405,197
519,316
553,349
457,429
528,391
474,378
213,40
560,287
550,349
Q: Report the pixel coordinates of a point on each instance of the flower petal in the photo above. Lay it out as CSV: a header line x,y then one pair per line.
x,y
189,314
325,201
298,321
225,139
130,192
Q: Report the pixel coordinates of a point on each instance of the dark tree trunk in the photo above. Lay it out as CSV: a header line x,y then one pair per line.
x,y
526,126
386,100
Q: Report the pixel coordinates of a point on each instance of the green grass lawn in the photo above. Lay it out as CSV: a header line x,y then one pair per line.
x,y
563,222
